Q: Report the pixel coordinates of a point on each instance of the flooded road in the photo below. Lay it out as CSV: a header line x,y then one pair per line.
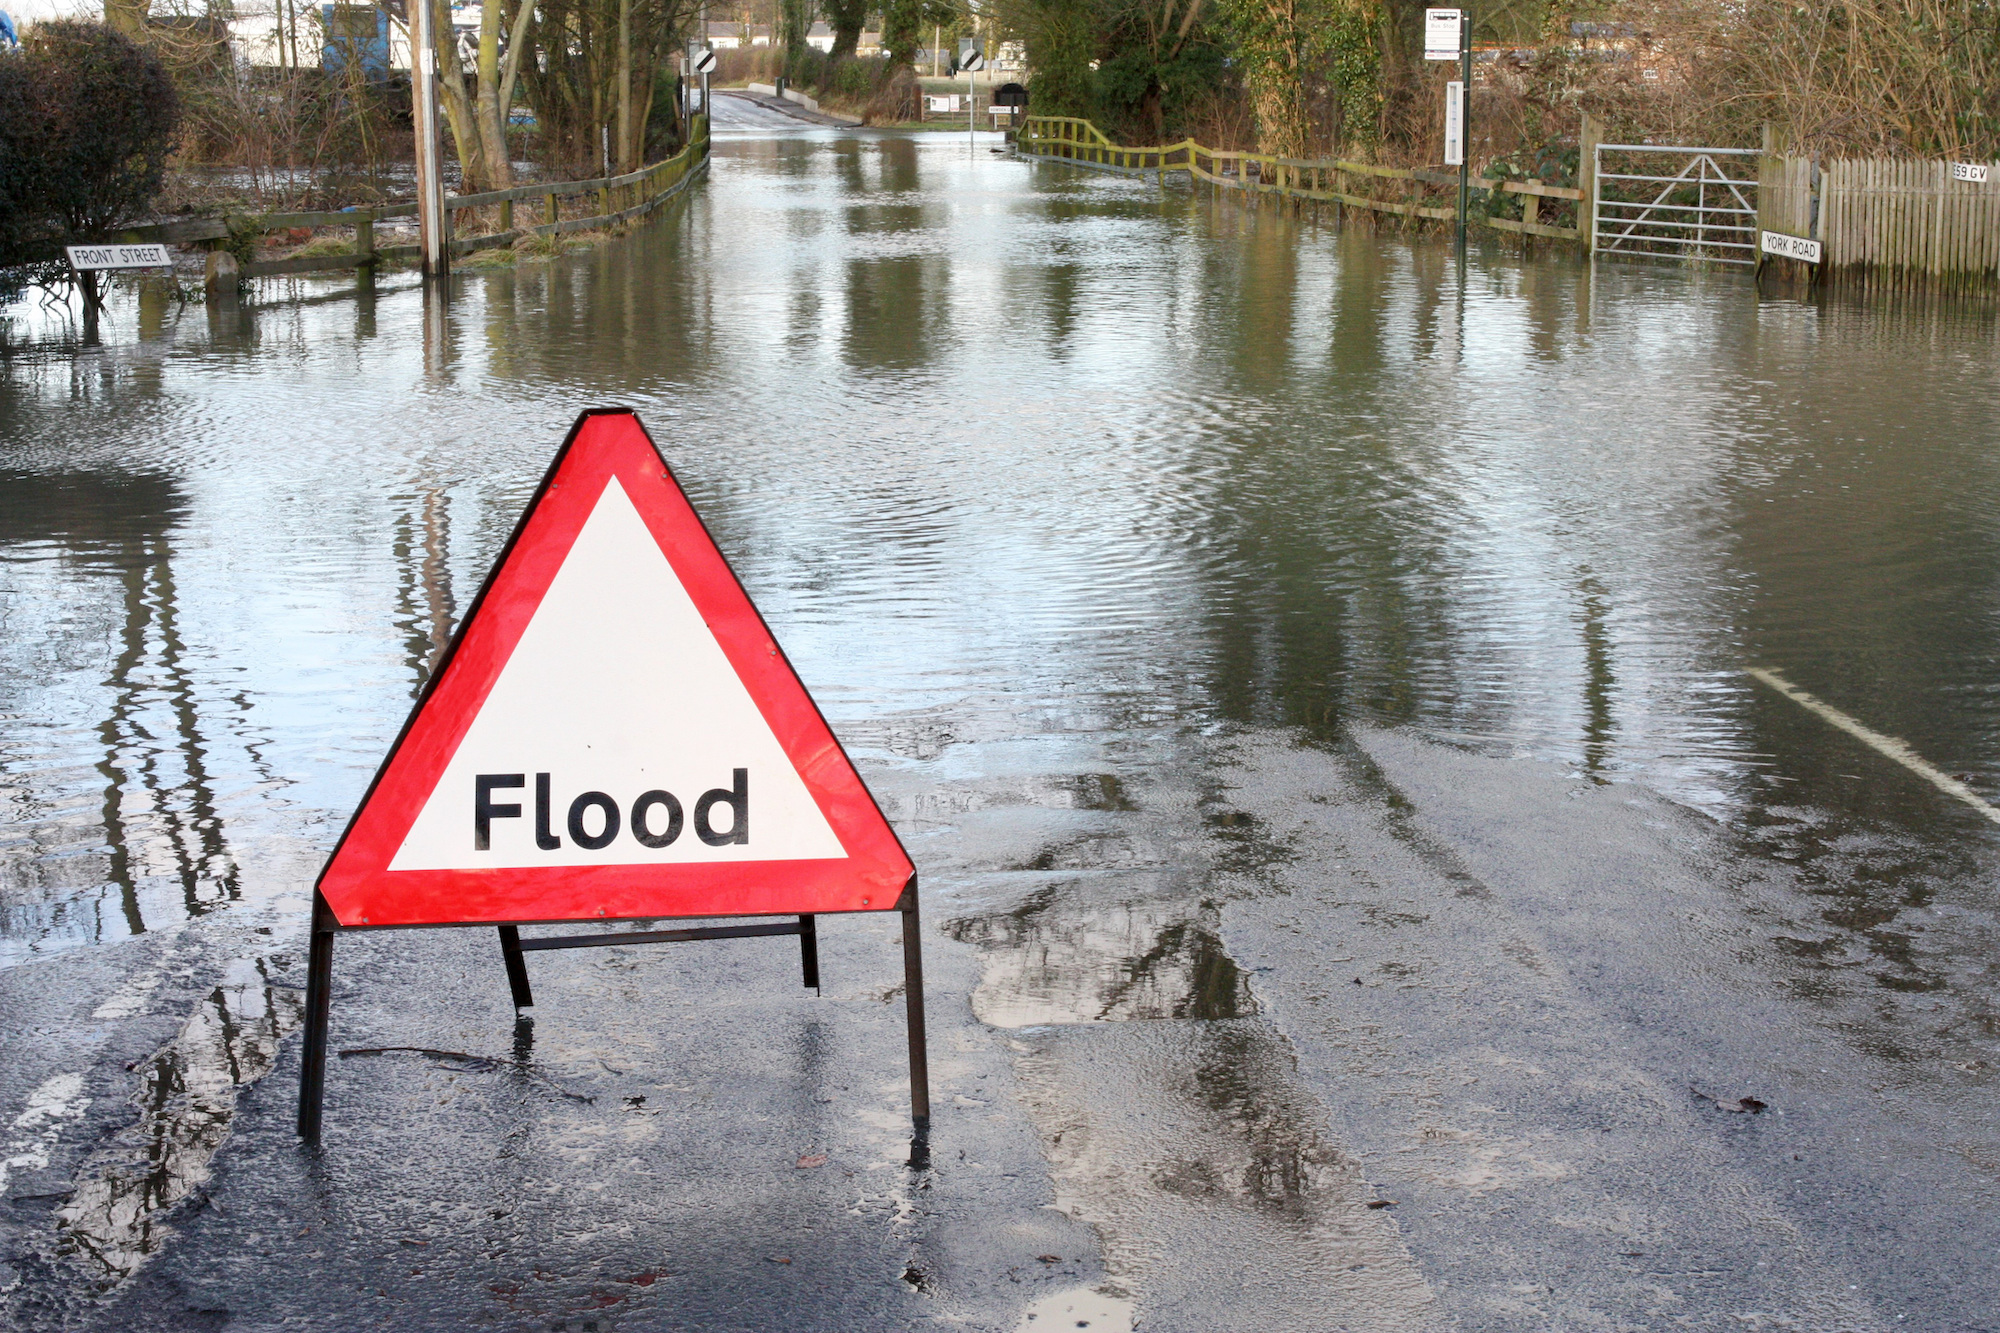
x,y
1365,887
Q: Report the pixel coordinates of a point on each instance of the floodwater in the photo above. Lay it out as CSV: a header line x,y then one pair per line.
x,y
1159,559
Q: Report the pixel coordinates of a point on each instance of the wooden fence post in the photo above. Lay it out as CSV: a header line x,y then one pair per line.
x,y
1587,139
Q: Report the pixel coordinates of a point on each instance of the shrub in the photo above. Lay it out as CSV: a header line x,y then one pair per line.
x,y
853,80
92,130
87,120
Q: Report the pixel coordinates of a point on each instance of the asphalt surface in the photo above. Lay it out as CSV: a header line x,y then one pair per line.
x,y
1363,889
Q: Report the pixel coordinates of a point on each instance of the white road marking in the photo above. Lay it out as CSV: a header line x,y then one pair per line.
x,y
1888,746
59,1099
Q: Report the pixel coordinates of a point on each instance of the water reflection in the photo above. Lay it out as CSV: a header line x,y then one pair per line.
x,y
186,1100
1007,450
90,558
1067,954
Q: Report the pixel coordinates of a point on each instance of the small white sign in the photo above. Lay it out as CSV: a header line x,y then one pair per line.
x,y
704,63
1001,110
1454,124
943,103
119,256
1790,247
1441,34
1969,171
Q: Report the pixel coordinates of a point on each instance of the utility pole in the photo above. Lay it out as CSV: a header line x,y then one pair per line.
x,y
431,245
1464,126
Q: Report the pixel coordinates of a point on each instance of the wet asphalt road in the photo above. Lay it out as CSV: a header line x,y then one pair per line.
x,y
1363,890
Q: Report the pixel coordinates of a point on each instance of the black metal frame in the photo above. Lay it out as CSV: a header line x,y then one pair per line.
x,y
514,951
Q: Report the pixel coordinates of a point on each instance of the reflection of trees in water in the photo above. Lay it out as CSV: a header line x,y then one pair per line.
x,y
186,1101
157,804
1271,1157
425,608
1062,956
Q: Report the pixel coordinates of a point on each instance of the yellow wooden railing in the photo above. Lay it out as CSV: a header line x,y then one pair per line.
x,y
1323,180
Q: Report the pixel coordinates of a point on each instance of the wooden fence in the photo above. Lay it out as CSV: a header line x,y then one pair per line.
x,y
1907,224
1320,180
1884,224
616,198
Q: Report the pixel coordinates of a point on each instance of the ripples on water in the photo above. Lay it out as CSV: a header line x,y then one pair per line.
x,y
1000,449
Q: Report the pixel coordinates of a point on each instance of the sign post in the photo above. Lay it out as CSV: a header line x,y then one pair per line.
x,y
704,65
971,61
1448,36
433,253
612,735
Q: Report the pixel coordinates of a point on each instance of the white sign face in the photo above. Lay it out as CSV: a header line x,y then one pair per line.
x,y
704,63
1969,171
944,103
1790,247
617,734
973,62
1454,124
119,256
1441,34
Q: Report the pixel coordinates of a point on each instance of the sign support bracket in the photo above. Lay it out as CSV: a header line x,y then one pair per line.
x,y
514,950
319,1006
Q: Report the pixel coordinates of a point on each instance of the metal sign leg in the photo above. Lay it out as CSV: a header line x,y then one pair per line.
x,y
913,999
809,950
517,967
319,1006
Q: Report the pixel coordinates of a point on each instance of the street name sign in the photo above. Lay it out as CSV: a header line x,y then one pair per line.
x,y
612,734
1969,171
1441,28
83,257
1790,247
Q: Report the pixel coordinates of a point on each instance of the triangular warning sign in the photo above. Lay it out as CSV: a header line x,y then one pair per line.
x,y
612,734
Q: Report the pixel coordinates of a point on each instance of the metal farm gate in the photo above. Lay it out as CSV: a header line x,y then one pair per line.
x,y
1670,202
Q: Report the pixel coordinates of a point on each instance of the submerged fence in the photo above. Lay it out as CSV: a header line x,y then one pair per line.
x,y
616,199
1880,223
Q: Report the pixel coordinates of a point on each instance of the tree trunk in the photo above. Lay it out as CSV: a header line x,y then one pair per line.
x,y
487,111
625,85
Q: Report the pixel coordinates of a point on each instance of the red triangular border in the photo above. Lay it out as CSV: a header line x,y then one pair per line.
x,y
362,891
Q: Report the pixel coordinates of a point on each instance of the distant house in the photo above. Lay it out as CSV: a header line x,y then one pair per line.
x,y
355,35
724,35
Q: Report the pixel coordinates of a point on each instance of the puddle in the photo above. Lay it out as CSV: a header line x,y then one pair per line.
x,y
1207,1171
1078,1308
1056,958
186,1101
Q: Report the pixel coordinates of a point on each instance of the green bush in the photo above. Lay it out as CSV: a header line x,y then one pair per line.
x,y
87,121
806,68
854,79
